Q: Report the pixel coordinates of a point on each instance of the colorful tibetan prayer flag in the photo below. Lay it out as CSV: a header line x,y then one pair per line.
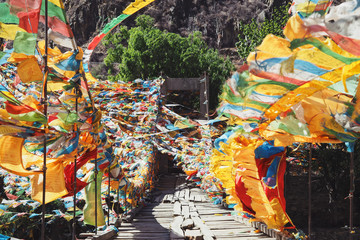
x,y
29,71
11,156
89,208
25,43
6,16
55,182
24,113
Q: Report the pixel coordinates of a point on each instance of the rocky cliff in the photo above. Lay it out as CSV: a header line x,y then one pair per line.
x,y
216,19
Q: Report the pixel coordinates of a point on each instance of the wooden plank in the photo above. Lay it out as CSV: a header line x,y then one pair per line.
x,y
194,214
155,205
212,211
176,231
182,194
235,234
197,198
204,198
192,209
132,214
171,197
185,211
168,198
176,194
212,218
104,235
245,238
85,235
208,238
193,234
151,220
187,224
142,236
206,204
204,229
145,237
149,230
159,198
192,197
157,209
177,209
226,225
184,203
154,224
154,215
196,190
187,194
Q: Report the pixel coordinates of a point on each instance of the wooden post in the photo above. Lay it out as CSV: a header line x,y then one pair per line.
x,y
309,191
96,190
75,169
108,214
351,193
74,200
204,97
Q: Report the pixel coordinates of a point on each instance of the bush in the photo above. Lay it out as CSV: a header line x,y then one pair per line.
x,y
146,52
252,34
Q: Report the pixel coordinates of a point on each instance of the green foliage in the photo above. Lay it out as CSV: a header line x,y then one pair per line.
x,y
252,34
145,52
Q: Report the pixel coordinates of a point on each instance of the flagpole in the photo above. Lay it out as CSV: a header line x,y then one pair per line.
x,y
309,191
108,213
96,190
46,126
351,194
75,169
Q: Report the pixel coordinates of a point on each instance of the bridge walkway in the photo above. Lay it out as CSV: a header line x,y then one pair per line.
x,y
180,210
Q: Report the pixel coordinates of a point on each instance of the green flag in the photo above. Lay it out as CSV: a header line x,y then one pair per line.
x,y
25,43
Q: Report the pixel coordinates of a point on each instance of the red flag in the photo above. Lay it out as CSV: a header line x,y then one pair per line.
x,y
26,4
29,20
69,172
58,26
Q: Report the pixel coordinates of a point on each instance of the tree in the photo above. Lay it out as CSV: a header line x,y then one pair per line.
x,y
145,52
252,34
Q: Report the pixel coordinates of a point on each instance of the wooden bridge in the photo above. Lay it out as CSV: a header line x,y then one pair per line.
x,y
180,210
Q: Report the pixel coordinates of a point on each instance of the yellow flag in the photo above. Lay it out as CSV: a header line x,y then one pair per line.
x,y
135,6
11,157
55,183
295,28
8,31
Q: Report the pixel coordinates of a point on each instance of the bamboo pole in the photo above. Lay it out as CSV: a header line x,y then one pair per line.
x,y
75,169
45,113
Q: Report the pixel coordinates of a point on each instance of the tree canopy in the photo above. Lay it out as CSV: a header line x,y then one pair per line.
x,y
145,51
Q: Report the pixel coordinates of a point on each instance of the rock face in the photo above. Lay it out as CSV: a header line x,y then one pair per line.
x,y
217,20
